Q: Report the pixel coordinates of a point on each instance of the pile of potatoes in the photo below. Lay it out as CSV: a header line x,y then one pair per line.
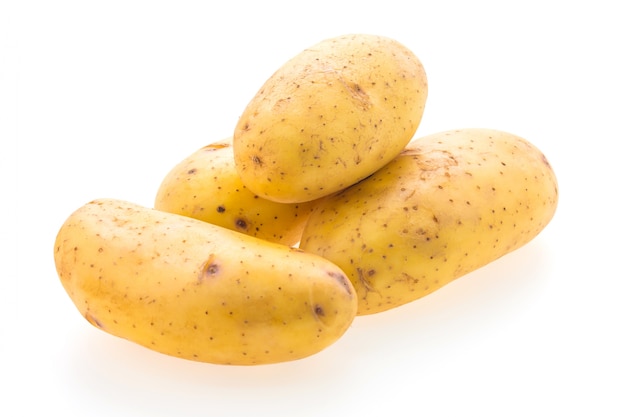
x,y
321,206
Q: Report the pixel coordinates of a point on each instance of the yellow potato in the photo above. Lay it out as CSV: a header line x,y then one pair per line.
x,y
206,186
197,291
329,117
449,204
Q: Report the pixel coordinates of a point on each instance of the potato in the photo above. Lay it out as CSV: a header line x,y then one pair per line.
x,y
329,117
206,186
451,203
197,291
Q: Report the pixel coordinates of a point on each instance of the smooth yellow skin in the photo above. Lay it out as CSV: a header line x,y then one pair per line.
x,y
329,117
451,203
207,187
197,291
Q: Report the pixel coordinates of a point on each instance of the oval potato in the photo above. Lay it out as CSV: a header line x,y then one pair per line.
x,y
206,186
197,291
329,117
449,204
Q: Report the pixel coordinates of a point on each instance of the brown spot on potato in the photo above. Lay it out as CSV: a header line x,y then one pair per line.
x,y
209,269
545,161
364,280
221,209
93,320
241,224
343,280
360,96
409,279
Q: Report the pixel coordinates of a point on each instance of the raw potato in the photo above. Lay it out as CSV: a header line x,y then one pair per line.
x,y
329,117
449,204
206,186
197,291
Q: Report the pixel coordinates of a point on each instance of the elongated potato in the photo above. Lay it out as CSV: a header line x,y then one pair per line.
x,y
197,291
449,204
206,186
329,117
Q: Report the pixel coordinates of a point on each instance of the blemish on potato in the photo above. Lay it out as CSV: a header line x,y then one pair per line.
x,y
241,224
209,269
364,280
93,320
343,280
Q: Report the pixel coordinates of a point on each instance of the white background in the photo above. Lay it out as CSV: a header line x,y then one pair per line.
x,y
101,98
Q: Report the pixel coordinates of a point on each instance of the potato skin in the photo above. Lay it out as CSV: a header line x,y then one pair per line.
x,y
449,204
329,117
193,290
206,186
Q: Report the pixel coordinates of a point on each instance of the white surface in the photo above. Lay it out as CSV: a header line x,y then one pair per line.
x,y
100,99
